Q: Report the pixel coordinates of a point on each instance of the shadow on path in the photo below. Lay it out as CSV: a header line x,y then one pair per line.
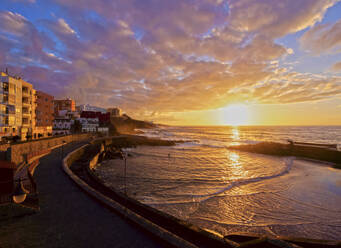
x,y
68,217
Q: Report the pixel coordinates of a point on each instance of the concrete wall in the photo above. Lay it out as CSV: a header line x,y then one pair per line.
x,y
75,155
175,232
19,152
93,162
166,227
159,232
4,147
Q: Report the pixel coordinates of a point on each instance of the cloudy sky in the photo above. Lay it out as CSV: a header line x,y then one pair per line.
x,y
182,61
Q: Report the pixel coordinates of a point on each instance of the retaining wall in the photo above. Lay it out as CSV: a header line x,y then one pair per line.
x,y
19,153
93,162
149,226
4,147
141,214
176,232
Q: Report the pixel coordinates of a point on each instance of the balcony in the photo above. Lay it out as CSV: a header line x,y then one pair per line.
x,y
25,91
25,121
5,99
25,110
25,100
5,86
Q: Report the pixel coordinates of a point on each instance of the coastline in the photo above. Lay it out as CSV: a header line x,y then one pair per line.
x,y
324,156
166,225
131,144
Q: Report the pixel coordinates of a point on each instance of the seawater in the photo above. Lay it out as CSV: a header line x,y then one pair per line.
x,y
227,191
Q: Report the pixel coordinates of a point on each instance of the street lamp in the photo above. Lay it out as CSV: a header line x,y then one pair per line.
x,y
63,148
20,193
124,156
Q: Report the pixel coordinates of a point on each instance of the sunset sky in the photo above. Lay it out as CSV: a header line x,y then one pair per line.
x,y
184,62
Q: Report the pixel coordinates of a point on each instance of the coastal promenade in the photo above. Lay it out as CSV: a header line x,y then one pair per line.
x,y
68,217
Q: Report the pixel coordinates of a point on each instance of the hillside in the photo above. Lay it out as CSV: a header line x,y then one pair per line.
x,y
127,125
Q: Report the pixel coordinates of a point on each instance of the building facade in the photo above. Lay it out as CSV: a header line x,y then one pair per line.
x,y
103,118
87,107
17,105
28,107
43,115
64,104
89,125
114,112
62,126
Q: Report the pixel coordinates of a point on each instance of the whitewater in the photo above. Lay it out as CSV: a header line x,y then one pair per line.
x,y
228,191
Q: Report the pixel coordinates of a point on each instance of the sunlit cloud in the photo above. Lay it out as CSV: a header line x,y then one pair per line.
x,y
336,67
158,57
323,38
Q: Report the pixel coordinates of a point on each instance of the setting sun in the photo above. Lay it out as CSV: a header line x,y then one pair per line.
x,y
235,115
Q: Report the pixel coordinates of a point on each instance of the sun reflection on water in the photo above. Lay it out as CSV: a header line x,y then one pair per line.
x,y
235,135
236,166
234,158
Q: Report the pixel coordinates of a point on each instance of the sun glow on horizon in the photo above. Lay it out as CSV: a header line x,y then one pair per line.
x,y
235,115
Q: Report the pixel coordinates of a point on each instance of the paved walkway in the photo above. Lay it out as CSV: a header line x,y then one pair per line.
x,y
68,217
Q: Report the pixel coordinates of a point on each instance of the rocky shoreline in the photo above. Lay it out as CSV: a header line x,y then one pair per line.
x,y
301,151
112,148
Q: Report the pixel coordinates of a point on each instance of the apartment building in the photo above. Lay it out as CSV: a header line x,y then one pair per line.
x,y
88,107
17,106
89,124
62,125
103,118
114,112
64,104
43,115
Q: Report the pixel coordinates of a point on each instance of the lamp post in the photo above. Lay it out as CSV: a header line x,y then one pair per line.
x,y
20,193
63,148
124,156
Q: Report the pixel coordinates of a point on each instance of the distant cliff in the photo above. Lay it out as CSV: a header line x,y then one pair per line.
x,y
127,125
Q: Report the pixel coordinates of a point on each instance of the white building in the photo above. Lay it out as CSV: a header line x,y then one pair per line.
x,y
103,130
89,125
62,126
87,107
68,114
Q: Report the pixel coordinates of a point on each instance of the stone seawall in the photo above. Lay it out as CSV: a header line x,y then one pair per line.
x,y
173,231
93,162
19,153
159,232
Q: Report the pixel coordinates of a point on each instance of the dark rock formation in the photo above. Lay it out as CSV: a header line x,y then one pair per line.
x,y
127,125
303,151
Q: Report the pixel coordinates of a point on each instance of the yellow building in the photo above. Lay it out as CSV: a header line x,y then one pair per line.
x,y
17,106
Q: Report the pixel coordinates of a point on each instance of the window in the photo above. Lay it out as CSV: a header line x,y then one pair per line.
x,y
11,120
2,109
5,86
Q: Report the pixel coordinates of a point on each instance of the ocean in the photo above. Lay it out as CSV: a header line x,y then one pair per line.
x,y
225,191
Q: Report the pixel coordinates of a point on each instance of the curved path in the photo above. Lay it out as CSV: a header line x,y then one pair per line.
x,y
68,217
